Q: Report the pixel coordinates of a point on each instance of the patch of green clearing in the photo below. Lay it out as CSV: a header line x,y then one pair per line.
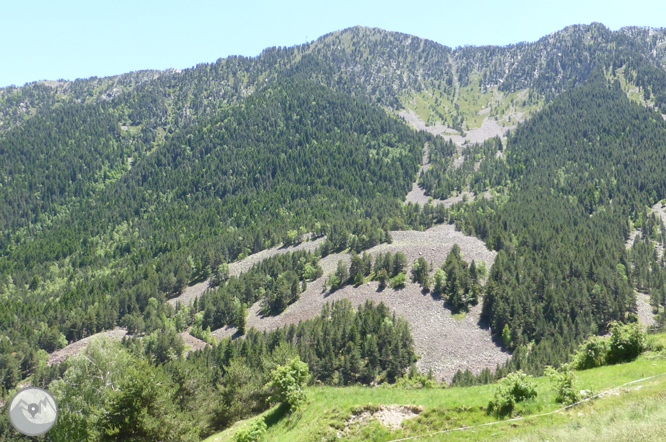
x,y
474,104
326,415
634,93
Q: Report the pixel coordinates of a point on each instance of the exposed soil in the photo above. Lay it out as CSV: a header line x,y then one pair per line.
x,y
236,268
390,416
444,344
76,347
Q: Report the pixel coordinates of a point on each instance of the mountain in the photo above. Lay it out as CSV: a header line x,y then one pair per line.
x,y
118,194
388,68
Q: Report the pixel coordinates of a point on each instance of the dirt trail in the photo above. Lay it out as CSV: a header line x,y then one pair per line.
x,y
236,268
444,343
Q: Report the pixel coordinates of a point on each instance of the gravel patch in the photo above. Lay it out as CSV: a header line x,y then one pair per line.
x,y
236,268
412,119
644,310
489,129
390,416
458,162
632,236
192,343
444,344
76,347
418,196
660,211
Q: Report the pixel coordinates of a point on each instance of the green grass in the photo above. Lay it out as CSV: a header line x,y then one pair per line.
x,y
328,408
435,106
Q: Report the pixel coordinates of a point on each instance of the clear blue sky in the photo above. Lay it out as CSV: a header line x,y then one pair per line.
x,y
71,39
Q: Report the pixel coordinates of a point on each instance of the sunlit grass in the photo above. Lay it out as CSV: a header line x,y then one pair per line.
x,y
329,408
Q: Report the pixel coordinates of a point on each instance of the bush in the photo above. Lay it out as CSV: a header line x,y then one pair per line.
x,y
514,388
333,282
591,353
398,282
415,380
626,342
288,382
252,433
565,384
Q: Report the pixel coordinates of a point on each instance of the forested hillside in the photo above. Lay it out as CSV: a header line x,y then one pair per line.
x,y
576,175
296,156
116,194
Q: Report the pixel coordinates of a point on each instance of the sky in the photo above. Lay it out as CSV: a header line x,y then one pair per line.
x,y
70,39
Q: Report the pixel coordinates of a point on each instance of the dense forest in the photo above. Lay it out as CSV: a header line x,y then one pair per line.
x,y
570,183
118,193
297,156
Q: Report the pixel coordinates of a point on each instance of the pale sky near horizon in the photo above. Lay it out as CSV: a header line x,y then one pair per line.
x,y
78,39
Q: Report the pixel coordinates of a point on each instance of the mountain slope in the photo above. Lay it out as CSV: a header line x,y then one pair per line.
x,y
391,69
573,175
296,155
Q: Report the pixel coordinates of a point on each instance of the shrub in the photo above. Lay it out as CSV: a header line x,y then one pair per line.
x,y
626,342
591,353
252,433
415,380
565,384
333,282
288,382
514,388
398,282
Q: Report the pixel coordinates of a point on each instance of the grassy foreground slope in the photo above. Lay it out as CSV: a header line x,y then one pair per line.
x,y
633,412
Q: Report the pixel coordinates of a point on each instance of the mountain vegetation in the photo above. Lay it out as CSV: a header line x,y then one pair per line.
x,y
116,194
575,176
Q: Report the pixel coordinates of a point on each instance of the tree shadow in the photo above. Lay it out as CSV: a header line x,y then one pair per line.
x,y
275,415
455,310
484,324
328,292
